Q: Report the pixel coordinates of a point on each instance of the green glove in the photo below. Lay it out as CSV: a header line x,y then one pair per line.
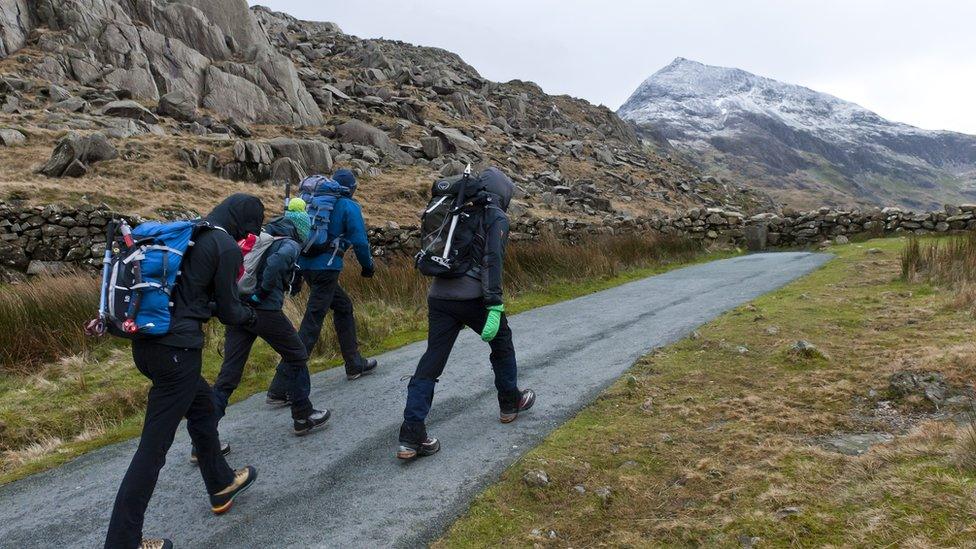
x,y
494,322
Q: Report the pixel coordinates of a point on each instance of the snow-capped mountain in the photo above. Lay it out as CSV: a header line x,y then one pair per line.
x,y
805,147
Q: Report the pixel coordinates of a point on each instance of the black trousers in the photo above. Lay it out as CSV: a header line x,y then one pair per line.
x,y
446,319
324,294
275,328
178,391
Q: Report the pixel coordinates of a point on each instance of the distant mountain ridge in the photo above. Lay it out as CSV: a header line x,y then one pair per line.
x,y
804,147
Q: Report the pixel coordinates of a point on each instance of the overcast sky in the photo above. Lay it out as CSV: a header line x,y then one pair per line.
x,y
910,61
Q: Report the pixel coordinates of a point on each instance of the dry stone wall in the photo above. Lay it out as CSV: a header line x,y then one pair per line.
x,y
48,239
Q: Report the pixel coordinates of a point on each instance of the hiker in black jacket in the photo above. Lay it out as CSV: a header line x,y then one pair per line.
x,y
274,280
473,300
206,288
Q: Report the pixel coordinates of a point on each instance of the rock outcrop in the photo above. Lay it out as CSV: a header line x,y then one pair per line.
x,y
214,52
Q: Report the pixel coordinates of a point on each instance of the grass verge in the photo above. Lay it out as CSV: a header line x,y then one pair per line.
x,y
736,436
55,411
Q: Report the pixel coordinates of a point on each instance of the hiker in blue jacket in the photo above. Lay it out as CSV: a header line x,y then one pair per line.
x,y
321,272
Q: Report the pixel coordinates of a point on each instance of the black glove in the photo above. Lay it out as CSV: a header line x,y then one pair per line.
x,y
296,285
369,271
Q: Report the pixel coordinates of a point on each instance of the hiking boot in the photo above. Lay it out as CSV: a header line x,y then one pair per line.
x,y
314,420
409,450
277,400
222,501
156,544
525,401
224,450
368,367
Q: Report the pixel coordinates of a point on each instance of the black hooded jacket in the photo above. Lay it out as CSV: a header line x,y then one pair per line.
x,y
486,280
208,284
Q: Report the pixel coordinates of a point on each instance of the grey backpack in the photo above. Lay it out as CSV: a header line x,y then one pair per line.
x,y
247,284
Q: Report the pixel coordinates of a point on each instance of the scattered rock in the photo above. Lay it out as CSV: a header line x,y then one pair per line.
x,y
579,489
130,109
605,495
841,240
805,349
11,138
357,131
930,385
787,512
772,330
455,141
855,444
536,478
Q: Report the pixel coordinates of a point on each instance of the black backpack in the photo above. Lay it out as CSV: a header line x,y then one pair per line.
x,y
452,227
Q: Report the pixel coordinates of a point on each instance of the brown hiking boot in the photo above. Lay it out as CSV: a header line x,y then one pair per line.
x,y
222,501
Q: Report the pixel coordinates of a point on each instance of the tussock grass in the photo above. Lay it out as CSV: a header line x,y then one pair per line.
x,y
92,395
43,320
947,262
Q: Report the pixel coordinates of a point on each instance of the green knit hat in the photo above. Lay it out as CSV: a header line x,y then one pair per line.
x,y
302,222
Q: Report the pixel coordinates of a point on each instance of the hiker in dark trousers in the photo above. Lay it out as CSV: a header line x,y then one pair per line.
x,y
473,300
172,362
274,279
321,273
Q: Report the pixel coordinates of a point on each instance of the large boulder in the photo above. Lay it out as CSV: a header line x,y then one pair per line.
x,y
179,105
15,25
361,133
312,156
10,137
74,153
455,141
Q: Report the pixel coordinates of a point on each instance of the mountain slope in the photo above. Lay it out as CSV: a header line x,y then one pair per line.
x,y
806,148
193,99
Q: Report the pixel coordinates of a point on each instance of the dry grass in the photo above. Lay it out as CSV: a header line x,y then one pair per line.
x,y
947,262
43,320
701,445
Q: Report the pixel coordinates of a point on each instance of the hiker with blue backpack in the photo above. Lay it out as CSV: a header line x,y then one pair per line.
x,y
269,272
463,235
163,284
337,225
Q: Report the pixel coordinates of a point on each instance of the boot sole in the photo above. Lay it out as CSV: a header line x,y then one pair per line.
x,y
354,377
410,453
313,428
508,418
221,509
310,430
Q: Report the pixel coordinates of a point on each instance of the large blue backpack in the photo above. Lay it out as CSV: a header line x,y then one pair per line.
x,y
143,271
320,195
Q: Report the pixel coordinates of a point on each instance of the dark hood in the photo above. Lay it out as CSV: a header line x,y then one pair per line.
x,y
239,214
497,183
281,226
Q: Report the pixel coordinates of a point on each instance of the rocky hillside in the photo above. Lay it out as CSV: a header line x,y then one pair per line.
x,y
805,148
160,108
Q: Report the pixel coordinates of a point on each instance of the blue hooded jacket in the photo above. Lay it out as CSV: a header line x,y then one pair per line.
x,y
346,221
